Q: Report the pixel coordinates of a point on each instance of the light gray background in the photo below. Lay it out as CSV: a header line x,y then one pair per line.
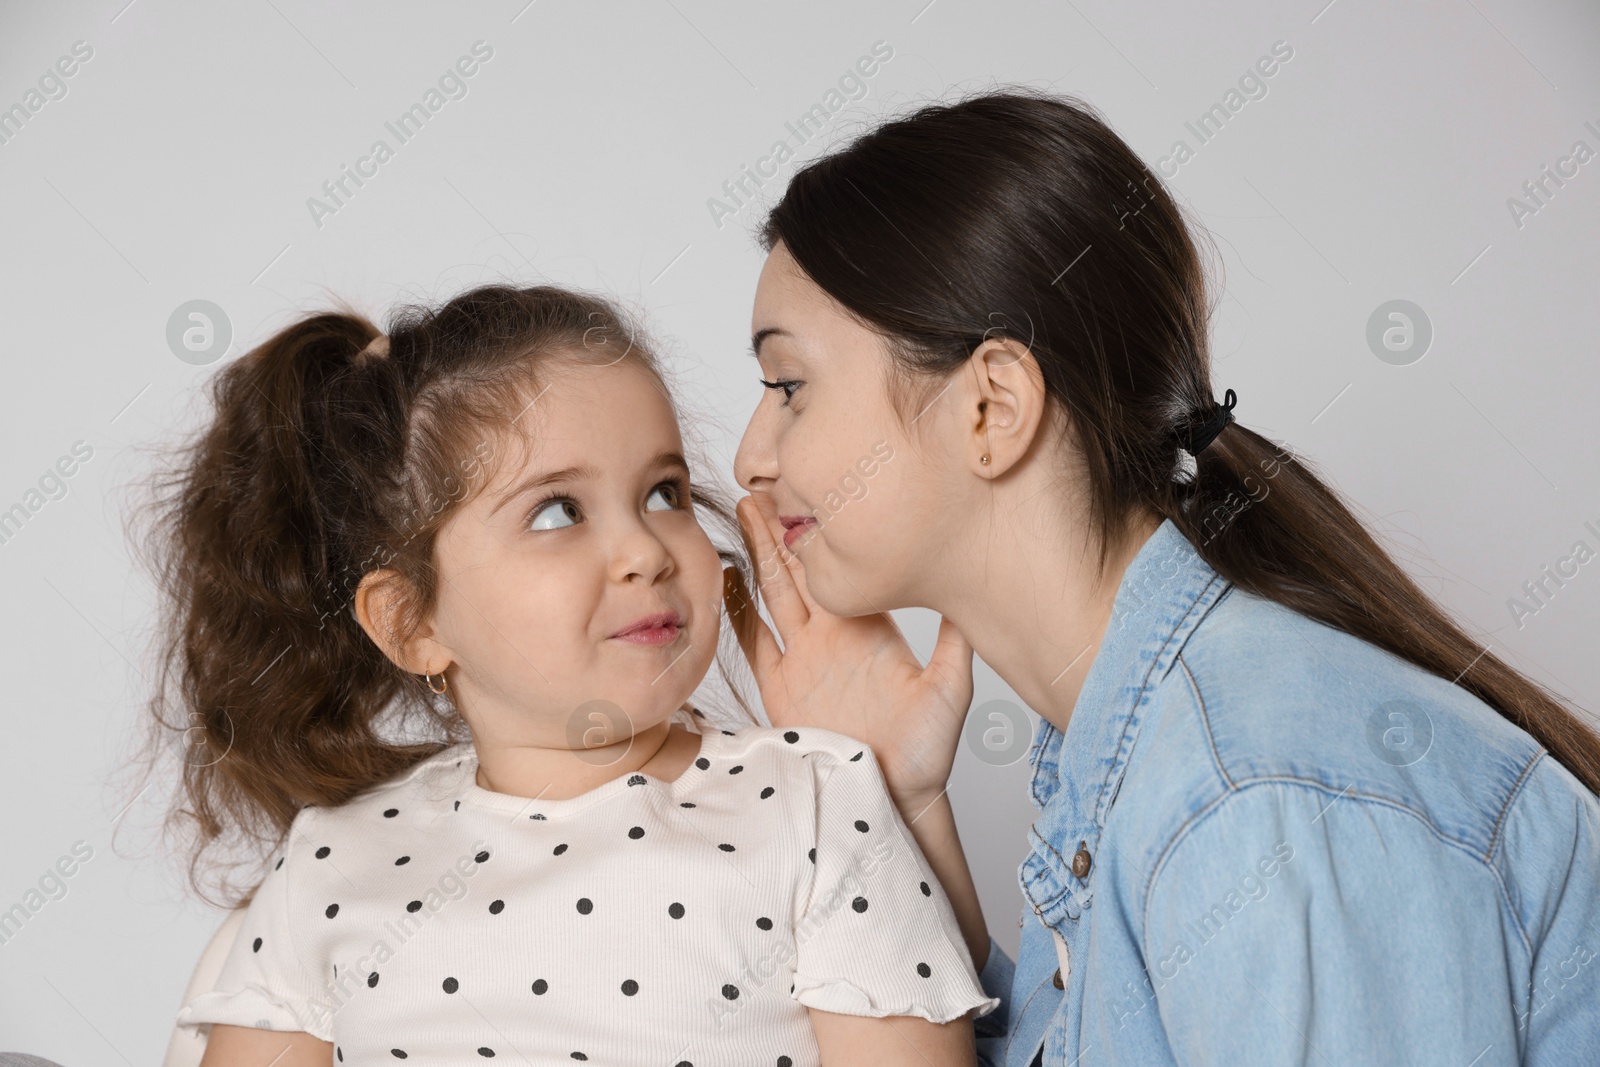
x,y
177,167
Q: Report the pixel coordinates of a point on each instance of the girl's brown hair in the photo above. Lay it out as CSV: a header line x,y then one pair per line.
x,y
1022,214
326,459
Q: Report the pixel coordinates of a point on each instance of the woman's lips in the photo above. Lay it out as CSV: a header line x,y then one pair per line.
x,y
794,527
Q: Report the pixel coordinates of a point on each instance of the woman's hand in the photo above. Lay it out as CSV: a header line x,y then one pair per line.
x,y
856,675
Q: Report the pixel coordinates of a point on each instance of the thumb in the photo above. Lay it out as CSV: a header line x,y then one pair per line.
x,y
949,669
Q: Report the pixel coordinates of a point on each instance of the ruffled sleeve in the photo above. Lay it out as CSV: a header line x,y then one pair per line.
x,y
877,935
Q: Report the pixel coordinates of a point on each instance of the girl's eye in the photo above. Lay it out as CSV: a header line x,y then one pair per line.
x,y
554,514
788,385
671,493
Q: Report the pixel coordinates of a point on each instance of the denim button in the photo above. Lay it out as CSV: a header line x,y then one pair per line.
x,y
1057,979
1081,861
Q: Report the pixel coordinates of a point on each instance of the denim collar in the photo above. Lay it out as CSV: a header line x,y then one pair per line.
x,y
1165,591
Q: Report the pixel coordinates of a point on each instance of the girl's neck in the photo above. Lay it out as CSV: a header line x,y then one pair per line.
x,y
663,751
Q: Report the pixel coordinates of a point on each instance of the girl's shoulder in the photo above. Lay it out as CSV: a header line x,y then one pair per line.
x,y
411,796
796,743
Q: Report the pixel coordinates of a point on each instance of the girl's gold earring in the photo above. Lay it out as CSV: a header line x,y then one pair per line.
x,y
984,459
445,681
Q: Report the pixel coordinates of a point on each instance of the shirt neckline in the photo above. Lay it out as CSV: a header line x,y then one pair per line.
x,y
467,793
1167,589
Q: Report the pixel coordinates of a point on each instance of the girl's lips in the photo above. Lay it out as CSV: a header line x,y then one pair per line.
x,y
652,635
795,526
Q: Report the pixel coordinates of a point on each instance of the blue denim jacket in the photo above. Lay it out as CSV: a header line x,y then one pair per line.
x,y
1264,841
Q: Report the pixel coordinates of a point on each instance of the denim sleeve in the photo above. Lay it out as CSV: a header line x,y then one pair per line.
x,y
1294,925
991,1029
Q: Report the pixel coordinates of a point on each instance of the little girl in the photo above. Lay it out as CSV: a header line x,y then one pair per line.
x,y
437,601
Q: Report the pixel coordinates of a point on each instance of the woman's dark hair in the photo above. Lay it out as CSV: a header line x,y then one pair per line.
x,y
1023,215
324,460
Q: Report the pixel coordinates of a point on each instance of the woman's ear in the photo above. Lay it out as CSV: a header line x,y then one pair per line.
x,y
380,609
1008,404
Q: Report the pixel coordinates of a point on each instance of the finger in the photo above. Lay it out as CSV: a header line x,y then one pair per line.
x,y
755,639
949,669
791,561
773,578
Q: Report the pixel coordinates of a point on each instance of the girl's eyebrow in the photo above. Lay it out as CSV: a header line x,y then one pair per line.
x,y
572,474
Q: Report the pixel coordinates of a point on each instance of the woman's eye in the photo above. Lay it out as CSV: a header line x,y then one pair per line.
x,y
555,514
669,493
788,385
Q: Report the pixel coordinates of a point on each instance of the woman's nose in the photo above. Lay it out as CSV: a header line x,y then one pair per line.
x,y
755,465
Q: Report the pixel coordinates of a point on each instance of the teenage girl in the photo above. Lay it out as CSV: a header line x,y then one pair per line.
x,y
437,600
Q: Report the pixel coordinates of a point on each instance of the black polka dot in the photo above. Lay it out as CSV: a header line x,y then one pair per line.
x,y
372,980
790,736
585,905
339,1052
333,909
496,907
579,1056
398,1054
540,986
414,907
925,890
255,946
275,866
764,923
486,1051
391,813
322,853
728,732
630,987
859,904
811,855
857,756
458,805
736,768
482,857
636,779
686,804
767,792
558,850
725,847
784,1061
402,861
636,832
924,970
731,992
861,824
536,815
702,763
450,985
675,910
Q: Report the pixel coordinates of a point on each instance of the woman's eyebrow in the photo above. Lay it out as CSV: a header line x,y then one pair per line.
x,y
762,335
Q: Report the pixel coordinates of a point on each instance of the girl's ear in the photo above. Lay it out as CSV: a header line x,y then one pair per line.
x,y
380,604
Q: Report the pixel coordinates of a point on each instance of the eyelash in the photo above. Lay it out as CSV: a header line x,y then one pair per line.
x,y
786,384
680,483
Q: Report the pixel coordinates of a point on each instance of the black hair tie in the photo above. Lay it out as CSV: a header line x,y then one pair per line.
x,y
1193,441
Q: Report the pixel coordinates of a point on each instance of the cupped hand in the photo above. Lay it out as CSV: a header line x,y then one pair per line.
x,y
855,675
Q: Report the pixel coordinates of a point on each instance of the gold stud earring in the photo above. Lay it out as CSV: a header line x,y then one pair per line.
x,y
984,459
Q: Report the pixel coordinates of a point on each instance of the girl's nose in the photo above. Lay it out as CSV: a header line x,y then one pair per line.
x,y
640,556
